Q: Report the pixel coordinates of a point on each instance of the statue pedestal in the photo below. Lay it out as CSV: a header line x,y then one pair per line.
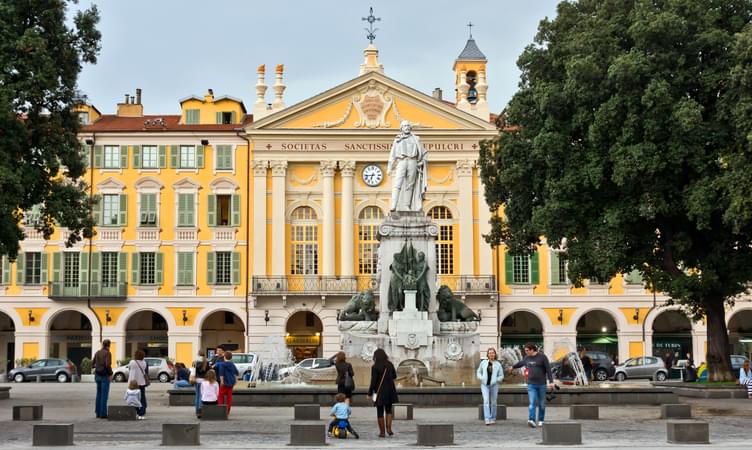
x,y
411,327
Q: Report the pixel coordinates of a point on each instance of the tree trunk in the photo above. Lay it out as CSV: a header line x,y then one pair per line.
x,y
718,359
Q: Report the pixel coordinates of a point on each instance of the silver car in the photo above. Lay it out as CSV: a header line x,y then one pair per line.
x,y
650,367
61,370
247,363
158,369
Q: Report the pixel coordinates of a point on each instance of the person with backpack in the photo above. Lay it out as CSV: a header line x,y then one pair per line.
x,y
345,374
227,373
139,372
103,377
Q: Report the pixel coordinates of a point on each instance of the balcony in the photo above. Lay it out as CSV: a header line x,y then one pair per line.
x,y
469,284
304,285
58,291
188,234
224,234
109,234
148,234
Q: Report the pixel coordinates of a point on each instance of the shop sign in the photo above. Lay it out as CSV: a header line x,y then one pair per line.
x,y
302,340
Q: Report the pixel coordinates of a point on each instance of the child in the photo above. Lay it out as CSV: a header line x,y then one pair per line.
x,y
133,397
209,388
341,412
228,375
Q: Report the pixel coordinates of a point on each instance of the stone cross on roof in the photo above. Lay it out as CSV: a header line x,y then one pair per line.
x,y
371,19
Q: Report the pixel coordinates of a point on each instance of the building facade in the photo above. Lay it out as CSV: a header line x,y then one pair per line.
x,y
220,225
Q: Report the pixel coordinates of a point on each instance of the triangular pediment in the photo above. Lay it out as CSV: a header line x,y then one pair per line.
x,y
371,102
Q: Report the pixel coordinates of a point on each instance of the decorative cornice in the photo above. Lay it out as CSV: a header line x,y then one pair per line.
x,y
259,167
347,168
279,168
327,168
465,168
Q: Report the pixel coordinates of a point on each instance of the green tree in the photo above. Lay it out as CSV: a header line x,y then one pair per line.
x,y
630,138
40,155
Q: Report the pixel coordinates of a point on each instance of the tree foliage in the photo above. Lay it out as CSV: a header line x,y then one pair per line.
x,y
40,155
630,137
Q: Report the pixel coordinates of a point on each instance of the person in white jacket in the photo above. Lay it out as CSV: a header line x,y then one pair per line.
x,y
490,374
745,378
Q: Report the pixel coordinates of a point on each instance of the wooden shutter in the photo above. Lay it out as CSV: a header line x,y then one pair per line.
x,y
158,268
211,216
122,269
210,268
236,268
175,156
97,156
123,216
508,267
20,269
43,272
57,286
135,276
235,215
162,156
534,270
96,276
136,156
83,273
200,156
123,156
555,268
218,118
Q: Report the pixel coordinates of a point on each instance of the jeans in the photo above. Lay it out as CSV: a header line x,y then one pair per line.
x,y
225,390
142,410
198,395
182,384
103,393
536,393
490,393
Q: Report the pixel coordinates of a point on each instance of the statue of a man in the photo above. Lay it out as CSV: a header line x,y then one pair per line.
x,y
408,169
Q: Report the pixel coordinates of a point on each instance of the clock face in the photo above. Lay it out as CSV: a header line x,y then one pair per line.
x,y
372,175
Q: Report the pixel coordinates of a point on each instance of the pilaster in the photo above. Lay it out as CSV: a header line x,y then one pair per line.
x,y
279,174
347,170
327,169
465,186
259,217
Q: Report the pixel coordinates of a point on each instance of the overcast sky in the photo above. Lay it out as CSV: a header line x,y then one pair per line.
x,y
175,48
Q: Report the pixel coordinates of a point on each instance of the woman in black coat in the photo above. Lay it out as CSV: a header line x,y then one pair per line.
x,y
344,369
382,385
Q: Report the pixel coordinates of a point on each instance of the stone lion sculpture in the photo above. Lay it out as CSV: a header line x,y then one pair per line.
x,y
451,310
362,306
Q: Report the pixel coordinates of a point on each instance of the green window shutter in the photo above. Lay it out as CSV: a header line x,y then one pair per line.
x,y
508,268
181,210
162,156
20,268
135,260
96,209
96,282
200,156
123,156
190,210
554,268
83,273
56,263
136,156
235,216
210,268
159,268
6,270
86,155
43,273
97,156
232,117
122,268
235,267
211,216
123,217
185,210
185,267
534,271
219,118
174,156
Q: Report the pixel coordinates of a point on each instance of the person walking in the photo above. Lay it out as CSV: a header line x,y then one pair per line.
x,y
382,390
345,376
200,367
538,370
103,378
490,375
138,371
745,378
228,376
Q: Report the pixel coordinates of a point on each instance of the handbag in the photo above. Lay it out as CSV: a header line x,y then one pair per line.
x,y
146,377
349,383
378,389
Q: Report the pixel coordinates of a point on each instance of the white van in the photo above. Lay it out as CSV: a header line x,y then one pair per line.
x,y
247,363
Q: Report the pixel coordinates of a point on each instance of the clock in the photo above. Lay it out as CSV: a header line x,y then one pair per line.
x,y
372,175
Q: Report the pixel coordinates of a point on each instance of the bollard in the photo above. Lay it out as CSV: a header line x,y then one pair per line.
x,y
181,434
403,411
307,434
307,412
501,412
121,412
214,412
44,435
687,432
676,411
434,434
27,412
562,433
583,412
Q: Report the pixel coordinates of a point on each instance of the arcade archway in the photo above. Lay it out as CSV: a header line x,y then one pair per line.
x,y
222,328
70,337
597,331
740,333
303,335
519,328
672,332
147,331
7,341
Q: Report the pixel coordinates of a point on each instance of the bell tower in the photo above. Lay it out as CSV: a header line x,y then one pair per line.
x,y
470,80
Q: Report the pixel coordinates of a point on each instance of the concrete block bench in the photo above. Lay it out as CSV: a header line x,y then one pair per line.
x,y
181,434
307,412
562,433
687,432
121,412
435,434
213,412
676,411
307,434
501,412
403,411
45,435
583,412
27,412
4,392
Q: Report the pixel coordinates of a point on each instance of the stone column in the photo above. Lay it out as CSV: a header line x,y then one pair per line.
x,y
465,185
259,217
347,169
485,252
327,173
279,180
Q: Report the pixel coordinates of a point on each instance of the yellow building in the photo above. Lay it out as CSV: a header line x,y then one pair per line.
x,y
217,225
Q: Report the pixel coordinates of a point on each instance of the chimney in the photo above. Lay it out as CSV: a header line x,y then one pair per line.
x,y
279,88
438,94
209,97
132,106
259,107
138,96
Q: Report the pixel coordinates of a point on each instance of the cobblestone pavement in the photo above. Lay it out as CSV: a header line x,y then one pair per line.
x,y
268,427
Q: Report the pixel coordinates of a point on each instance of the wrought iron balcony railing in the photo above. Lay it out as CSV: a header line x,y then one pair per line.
x,y
304,284
469,284
59,291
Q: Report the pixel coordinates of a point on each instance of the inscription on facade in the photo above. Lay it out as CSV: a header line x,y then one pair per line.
x,y
363,146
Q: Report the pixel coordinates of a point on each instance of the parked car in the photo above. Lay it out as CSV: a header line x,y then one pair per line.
x,y
158,369
736,363
650,367
61,370
247,363
308,363
603,365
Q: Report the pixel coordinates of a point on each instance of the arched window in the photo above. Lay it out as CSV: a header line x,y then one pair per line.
x,y
368,244
445,240
304,242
